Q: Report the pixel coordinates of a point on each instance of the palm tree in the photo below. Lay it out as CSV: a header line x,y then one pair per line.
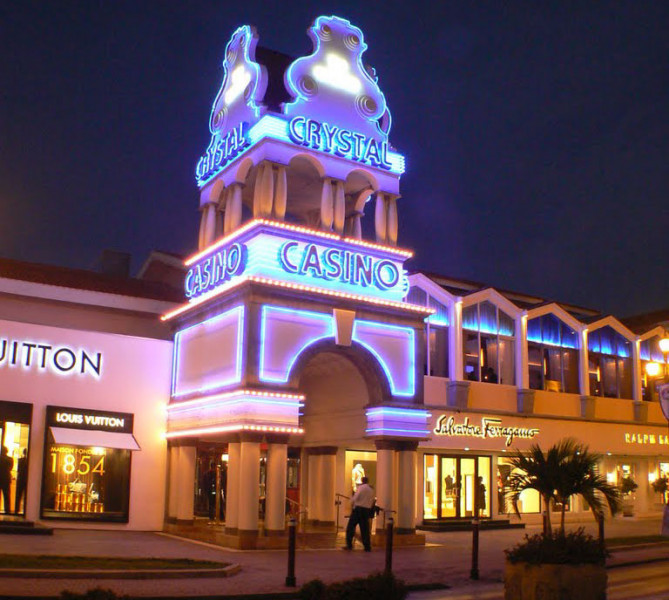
x,y
568,468
579,477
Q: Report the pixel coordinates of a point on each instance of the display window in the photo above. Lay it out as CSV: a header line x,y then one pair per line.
x,y
15,418
529,500
87,459
211,472
456,486
359,464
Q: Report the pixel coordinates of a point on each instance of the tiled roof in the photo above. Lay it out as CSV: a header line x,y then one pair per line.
x,y
87,280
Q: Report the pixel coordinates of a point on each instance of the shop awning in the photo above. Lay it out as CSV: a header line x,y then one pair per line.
x,y
91,437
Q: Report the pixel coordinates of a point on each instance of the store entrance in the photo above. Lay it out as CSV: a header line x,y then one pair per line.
x,y
456,487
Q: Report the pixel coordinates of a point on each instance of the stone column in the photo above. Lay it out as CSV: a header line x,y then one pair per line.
x,y
249,493
339,217
313,486
232,491
173,485
385,478
644,490
392,221
208,224
327,206
328,469
185,482
584,377
522,368
275,496
637,393
233,211
381,218
280,194
406,510
455,351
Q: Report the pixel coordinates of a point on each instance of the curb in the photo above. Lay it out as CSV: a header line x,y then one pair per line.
x,y
228,571
636,563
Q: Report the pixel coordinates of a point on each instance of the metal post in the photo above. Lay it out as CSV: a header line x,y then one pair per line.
x,y
545,522
601,531
217,503
290,577
389,546
474,573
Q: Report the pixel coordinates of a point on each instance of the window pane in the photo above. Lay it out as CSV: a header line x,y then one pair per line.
x,y
551,330
625,375
439,351
417,296
506,324
535,363
609,377
553,365
570,371
471,351
470,318
534,330
507,361
489,354
488,312
595,375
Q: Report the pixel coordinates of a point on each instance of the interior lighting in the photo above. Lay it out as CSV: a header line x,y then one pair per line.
x,y
653,369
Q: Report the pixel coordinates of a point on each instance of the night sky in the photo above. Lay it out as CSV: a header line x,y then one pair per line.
x,y
536,133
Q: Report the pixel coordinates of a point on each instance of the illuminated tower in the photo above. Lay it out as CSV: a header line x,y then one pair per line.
x,y
296,335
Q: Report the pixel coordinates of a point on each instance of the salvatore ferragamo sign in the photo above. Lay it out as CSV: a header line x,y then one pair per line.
x,y
488,428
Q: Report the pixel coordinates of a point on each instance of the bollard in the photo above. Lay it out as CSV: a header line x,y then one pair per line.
x,y
474,573
389,546
290,577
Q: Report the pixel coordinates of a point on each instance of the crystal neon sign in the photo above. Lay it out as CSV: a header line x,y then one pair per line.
x,y
338,264
339,142
216,269
222,150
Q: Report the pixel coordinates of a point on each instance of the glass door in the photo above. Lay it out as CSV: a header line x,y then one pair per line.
x,y
450,490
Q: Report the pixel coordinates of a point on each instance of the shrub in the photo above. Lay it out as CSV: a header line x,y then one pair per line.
x,y
92,594
660,485
628,485
377,586
572,548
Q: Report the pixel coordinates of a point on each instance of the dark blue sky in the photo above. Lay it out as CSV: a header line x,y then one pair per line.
x,y
536,133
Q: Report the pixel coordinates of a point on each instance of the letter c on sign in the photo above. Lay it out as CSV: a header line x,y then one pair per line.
x,y
188,284
283,257
293,132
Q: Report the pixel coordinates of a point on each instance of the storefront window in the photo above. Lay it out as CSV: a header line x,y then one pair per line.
x,y
438,351
14,443
552,355
211,462
649,351
610,364
529,501
456,486
359,464
86,474
488,342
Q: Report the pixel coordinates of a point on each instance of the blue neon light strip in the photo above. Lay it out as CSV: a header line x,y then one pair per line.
x,y
382,430
235,377
322,326
399,412
402,376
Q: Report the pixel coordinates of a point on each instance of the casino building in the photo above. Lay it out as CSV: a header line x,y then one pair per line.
x,y
301,354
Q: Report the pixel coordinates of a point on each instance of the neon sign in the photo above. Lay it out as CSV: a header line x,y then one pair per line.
x,y
338,264
222,150
298,256
215,270
489,428
59,360
339,142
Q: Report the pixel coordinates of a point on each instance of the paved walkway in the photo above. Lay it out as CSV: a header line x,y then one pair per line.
x,y
446,559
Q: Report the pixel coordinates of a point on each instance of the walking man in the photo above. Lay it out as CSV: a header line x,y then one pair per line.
x,y
362,502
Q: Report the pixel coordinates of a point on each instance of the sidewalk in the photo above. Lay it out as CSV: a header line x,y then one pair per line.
x,y
446,560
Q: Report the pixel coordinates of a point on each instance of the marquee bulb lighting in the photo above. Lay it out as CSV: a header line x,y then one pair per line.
x,y
236,394
296,229
415,308
232,428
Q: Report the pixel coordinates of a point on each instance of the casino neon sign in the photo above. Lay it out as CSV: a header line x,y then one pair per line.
x,y
267,252
338,264
215,270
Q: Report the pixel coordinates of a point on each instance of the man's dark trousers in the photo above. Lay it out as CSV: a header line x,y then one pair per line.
x,y
359,516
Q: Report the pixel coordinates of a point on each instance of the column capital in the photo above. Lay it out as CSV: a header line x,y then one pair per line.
x,y
185,441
